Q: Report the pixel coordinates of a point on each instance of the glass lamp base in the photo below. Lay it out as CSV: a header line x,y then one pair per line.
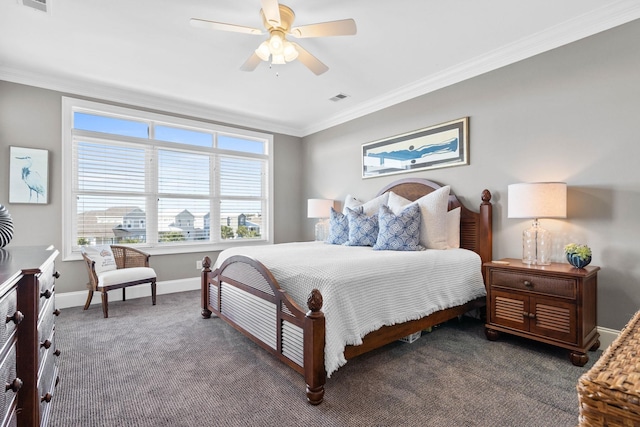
x,y
536,245
321,231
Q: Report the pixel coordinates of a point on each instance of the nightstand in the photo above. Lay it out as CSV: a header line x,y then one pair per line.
x,y
555,304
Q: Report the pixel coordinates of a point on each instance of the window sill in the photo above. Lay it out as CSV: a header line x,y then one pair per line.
x,y
183,249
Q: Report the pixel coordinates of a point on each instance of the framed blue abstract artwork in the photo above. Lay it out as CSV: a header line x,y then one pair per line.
x,y
28,175
439,146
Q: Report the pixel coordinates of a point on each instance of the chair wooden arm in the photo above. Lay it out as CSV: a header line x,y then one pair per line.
x,y
91,269
127,257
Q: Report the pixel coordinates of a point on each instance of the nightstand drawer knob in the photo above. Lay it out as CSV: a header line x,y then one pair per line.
x,y
529,315
528,284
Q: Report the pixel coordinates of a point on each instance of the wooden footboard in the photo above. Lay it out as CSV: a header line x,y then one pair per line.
x,y
247,296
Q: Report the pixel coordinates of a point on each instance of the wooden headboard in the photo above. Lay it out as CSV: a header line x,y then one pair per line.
x,y
475,227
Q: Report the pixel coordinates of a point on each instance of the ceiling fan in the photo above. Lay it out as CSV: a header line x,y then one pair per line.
x,y
277,20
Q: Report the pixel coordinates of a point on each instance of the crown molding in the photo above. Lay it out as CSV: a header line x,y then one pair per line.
x,y
585,25
103,92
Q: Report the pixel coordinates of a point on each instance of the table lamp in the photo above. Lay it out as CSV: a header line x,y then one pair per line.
x,y
537,200
321,209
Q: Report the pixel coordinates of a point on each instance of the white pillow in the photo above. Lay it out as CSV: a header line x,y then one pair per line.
x,y
453,228
370,208
433,216
102,256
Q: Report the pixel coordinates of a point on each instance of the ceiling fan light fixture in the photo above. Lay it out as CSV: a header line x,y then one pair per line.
x,y
290,52
278,20
278,59
276,42
263,51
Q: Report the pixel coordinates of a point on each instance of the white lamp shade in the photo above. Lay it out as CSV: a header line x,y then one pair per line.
x,y
319,208
537,200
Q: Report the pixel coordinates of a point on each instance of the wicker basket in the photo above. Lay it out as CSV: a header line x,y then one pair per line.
x,y
609,393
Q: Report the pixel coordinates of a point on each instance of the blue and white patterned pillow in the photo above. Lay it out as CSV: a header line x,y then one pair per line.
x,y
363,229
399,232
338,228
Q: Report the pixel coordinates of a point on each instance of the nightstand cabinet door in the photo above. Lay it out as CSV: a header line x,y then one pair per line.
x,y
509,309
553,318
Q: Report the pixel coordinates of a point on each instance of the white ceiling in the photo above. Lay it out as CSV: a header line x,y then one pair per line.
x,y
145,53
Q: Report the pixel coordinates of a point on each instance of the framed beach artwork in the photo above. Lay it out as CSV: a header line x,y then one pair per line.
x,y
439,146
28,175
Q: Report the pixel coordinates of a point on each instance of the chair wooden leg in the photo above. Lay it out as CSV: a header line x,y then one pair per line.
x,y
153,292
105,304
124,295
89,298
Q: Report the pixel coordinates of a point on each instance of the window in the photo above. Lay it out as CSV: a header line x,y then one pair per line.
x,y
161,182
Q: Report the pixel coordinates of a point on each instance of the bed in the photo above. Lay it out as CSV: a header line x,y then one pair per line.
x,y
251,289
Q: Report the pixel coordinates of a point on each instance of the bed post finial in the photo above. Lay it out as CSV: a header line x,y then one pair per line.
x,y
314,334
314,302
486,197
206,263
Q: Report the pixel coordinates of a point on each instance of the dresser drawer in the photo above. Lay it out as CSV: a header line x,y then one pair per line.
x,y
9,316
46,320
8,377
533,283
47,282
47,382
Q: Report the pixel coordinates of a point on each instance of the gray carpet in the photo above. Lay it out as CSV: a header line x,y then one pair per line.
x,y
166,366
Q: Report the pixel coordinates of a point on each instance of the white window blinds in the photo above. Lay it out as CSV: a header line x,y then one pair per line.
x,y
156,181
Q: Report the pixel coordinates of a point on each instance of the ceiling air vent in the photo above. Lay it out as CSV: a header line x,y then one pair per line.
x,y
338,97
37,4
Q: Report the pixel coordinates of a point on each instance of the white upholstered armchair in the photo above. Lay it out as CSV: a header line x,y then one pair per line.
x,y
116,267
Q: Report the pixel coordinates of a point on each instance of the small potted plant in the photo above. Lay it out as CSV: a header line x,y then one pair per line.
x,y
578,255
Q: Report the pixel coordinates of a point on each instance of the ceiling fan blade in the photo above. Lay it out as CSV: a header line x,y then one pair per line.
x,y
251,63
271,11
212,25
344,27
310,61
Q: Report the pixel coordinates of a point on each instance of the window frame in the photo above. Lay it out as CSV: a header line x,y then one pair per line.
x,y
69,211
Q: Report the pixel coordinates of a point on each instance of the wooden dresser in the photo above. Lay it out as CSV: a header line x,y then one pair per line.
x,y
555,304
28,354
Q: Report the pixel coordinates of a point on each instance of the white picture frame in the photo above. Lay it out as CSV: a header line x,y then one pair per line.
x,y
28,175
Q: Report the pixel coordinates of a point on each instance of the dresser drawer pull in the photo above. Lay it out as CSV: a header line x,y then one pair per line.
x,y
56,274
56,312
46,344
14,386
16,318
529,315
46,398
47,294
57,353
528,284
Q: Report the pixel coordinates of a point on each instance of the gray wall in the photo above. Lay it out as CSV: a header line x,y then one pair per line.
x,y
32,117
565,115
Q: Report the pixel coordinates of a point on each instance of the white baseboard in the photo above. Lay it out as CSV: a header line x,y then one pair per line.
x,y
77,299
607,336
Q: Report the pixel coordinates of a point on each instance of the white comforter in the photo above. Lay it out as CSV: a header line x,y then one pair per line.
x,y
363,289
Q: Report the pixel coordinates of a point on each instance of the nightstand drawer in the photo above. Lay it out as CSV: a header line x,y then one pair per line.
x,y
533,283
